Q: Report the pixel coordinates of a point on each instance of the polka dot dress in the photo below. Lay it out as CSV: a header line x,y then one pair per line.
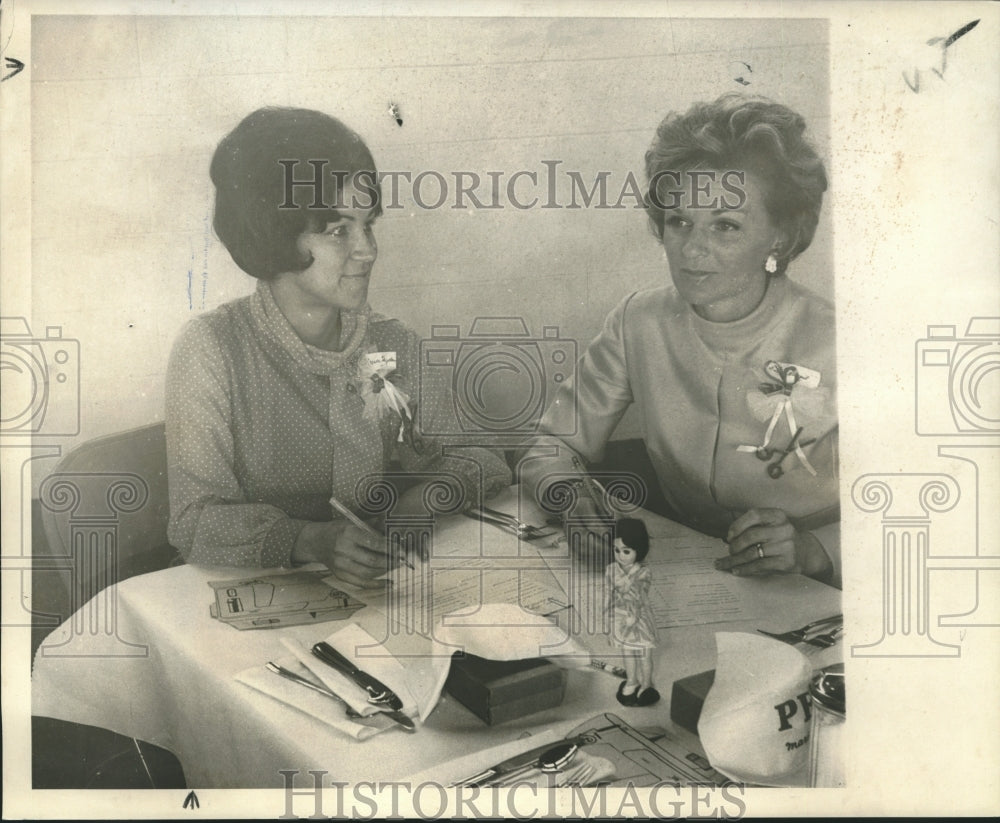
x,y
263,428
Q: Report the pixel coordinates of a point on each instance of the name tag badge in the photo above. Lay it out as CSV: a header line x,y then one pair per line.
x,y
810,378
380,362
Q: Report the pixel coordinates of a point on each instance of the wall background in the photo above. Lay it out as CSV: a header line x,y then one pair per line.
x,y
126,112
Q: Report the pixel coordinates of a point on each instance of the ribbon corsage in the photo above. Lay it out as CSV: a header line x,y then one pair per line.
x,y
381,396
793,389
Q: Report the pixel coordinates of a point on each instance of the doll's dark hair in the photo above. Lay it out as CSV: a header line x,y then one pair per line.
x,y
632,533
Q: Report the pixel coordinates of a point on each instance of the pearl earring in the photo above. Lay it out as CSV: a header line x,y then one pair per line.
x,y
771,264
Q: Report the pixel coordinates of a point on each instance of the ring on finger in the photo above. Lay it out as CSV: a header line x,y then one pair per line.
x,y
760,550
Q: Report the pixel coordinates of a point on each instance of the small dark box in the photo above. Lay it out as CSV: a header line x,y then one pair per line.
x,y
500,690
687,698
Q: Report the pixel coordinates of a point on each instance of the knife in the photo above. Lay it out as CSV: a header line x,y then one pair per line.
x,y
378,693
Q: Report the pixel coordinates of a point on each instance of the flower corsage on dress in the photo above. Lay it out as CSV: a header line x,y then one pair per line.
x,y
383,399
786,401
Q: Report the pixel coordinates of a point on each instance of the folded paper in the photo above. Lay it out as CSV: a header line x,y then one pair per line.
x,y
417,684
505,631
754,725
325,710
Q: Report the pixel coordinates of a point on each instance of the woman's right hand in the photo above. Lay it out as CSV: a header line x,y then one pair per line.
x,y
351,554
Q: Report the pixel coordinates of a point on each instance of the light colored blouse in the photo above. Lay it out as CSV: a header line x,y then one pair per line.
x,y
263,428
709,395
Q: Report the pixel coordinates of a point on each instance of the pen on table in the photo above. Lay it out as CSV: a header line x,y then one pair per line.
x,y
357,521
588,486
603,497
560,607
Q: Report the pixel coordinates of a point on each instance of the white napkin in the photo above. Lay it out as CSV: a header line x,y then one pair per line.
x,y
417,670
316,706
505,631
754,724
418,684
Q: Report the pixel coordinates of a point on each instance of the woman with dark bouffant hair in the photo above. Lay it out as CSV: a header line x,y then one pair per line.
x,y
300,391
731,363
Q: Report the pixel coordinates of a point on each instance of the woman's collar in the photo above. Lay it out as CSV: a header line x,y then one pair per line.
x,y
746,329
271,321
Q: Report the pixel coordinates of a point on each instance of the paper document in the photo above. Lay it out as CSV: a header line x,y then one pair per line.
x,y
687,588
452,583
278,600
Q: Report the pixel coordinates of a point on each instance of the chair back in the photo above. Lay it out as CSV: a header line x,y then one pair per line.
x,y
104,511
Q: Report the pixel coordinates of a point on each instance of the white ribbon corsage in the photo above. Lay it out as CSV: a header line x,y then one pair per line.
x,y
381,396
795,388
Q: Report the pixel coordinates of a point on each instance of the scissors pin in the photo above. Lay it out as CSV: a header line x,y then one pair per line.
x,y
774,470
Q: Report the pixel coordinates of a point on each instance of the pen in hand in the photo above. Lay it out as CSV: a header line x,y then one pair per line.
x,y
357,521
595,494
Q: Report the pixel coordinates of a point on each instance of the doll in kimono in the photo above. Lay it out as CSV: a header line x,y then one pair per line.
x,y
633,626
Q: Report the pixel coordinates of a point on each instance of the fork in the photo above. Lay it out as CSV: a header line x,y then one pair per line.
x,y
799,635
579,775
824,641
510,523
531,532
288,674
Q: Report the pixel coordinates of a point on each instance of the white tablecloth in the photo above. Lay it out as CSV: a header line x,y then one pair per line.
x,y
157,667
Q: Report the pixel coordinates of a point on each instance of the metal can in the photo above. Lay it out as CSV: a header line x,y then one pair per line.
x,y
826,743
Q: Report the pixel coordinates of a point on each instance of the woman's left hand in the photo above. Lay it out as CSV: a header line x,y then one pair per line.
x,y
764,541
